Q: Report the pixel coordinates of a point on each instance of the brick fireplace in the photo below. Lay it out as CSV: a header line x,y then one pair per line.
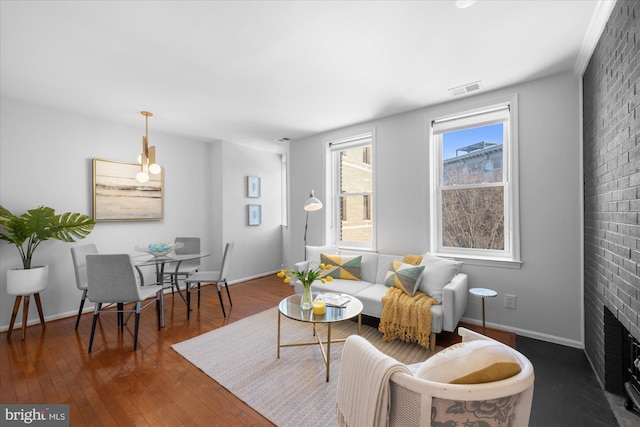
x,y
611,163
617,350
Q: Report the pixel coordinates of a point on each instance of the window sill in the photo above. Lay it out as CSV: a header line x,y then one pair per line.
x,y
356,249
482,261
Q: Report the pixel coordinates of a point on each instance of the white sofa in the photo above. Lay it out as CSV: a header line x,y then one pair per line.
x,y
441,280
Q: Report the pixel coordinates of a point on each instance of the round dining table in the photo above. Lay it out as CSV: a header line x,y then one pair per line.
x,y
160,262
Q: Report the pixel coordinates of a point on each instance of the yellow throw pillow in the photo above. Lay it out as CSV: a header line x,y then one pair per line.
x,y
412,259
471,362
342,267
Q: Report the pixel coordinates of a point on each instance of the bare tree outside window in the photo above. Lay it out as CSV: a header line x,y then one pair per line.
x,y
473,218
472,192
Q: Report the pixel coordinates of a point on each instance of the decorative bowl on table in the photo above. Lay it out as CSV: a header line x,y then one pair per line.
x,y
159,248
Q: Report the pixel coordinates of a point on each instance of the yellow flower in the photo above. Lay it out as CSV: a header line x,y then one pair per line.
x,y
306,277
322,267
323,280
329,267
329,278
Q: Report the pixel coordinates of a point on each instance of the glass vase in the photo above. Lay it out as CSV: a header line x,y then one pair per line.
x,y
306,303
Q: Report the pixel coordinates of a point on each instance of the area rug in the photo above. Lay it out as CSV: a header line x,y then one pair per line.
x,y
292,390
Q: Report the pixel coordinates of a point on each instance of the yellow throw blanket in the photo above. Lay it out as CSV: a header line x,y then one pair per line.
x,y
405,317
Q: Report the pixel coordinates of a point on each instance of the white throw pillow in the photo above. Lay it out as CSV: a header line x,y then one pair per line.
x,y
368,266
384,262
471,362
313,254
437,273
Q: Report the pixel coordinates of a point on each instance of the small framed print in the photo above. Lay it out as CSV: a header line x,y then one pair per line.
x,y
255,214
253,187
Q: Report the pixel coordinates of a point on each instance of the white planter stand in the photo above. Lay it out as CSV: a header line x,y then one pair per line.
x,y
23,283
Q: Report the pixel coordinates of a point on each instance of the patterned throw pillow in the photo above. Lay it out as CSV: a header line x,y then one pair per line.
x,y
404,276
342,267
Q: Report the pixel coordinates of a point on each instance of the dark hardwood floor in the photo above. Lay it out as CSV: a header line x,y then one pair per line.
x,y
114,386
155,386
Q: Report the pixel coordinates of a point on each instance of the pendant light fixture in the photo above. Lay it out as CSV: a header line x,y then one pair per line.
x,y
148,156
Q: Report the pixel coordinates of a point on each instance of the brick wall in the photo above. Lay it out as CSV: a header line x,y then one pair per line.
x,y
612,180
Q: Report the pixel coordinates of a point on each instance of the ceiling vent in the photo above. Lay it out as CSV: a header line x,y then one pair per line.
x,y
283,139
461,90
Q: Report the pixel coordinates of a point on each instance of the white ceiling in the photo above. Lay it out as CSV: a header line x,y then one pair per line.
x,y
254,71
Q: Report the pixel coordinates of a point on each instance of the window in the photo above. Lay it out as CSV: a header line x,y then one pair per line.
x,y
366,207
366,155
474,184
352,176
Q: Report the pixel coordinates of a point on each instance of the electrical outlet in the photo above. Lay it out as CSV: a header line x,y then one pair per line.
x,y
510,301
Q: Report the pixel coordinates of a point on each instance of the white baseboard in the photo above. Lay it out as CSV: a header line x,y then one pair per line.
x,y
257,276
530,334
18,325
89,306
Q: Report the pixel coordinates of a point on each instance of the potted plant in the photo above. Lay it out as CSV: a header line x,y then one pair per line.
x,y
28,231
307,278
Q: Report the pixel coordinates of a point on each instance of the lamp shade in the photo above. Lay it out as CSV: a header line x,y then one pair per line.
x,y
312,204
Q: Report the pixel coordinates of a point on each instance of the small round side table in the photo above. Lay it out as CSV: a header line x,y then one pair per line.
x,y
484,293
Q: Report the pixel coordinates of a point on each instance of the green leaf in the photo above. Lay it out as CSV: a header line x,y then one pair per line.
x,y
33,227
5,215
39,221
71,226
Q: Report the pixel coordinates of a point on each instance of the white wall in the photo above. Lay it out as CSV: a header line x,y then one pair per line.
x,y
258,249
205,195
45,159
548,285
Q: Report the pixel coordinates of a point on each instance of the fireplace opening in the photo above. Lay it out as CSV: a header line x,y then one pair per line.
x,y
621,361
632,386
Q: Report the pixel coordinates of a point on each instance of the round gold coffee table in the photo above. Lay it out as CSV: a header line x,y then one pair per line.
x,y
290,307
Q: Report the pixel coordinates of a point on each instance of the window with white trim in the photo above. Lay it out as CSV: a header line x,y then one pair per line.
x,y
352,195
474,207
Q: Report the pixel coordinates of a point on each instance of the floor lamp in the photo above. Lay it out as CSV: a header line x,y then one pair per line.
x,y
312,204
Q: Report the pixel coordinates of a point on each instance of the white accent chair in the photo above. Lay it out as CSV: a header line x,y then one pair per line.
x,y
410,401
79,257
219,278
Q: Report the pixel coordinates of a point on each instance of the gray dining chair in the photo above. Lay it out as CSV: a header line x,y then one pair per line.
x,y
79,257
185,268
111,279
219,278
